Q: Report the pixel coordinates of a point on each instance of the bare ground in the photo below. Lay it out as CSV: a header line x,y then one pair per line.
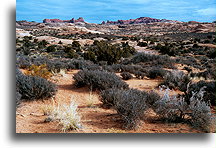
x,y
94,118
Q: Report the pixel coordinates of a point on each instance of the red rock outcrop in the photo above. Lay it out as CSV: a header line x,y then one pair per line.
x,y
138,21
80,19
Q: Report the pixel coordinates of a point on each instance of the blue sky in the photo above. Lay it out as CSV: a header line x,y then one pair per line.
x,y
95,11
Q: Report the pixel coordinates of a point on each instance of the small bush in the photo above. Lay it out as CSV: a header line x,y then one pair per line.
x,y
176,80
156,72
170,108
18,99
126,75
130,104
34,88
51,48
175,109
201,115
40,71
156,60
139,75
23,61
142,44
98,80
209,91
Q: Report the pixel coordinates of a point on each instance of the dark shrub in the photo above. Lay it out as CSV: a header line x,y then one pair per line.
x,y
79,64
126,75
188,69
139,74
51,48
98,79
142,44
18,99
211,53
108,96
156,60
156,72
34,88
23,61
104,51
152,98
42,44
130,104
209,95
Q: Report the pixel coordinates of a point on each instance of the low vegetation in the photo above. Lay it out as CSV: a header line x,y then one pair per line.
x,y
33,87
97,79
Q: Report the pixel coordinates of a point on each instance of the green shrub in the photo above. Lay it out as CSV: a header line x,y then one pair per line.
x,y
51,48
103,51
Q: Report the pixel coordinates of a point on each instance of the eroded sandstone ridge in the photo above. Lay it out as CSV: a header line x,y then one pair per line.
x,y
80,19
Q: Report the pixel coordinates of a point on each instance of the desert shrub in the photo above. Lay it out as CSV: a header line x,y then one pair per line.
x,y
42,44
103,51
40,61
176,80
156,72
201,116
18,98
126,75
188,69
175,109
209,95
157,60
56,66
170,108
98,79
51,48
139,74
40,71
130,104
142,44
205,74
34,88
113,68
211,53
108,96
76,44
79,64
152,98
23,61
189,61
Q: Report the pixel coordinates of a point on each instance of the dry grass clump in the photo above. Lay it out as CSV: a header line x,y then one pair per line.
x,y
66,115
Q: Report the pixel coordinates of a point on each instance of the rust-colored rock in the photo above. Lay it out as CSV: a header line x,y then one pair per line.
x,y
80,19
138,21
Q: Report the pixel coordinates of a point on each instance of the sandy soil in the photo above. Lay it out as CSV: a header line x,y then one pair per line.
x,y
94,119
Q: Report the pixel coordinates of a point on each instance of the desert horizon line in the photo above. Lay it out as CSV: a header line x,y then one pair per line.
x,y
53,18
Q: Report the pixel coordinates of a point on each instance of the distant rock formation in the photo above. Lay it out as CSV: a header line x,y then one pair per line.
x,y
80,19
193,22
137,21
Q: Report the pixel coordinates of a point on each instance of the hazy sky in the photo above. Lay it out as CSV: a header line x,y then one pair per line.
x,y
95,11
